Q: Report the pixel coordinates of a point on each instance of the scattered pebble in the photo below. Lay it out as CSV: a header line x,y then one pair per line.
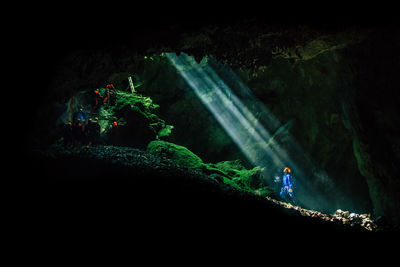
x,y
339,216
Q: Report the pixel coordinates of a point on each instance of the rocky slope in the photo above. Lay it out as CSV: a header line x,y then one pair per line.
x,y
109,179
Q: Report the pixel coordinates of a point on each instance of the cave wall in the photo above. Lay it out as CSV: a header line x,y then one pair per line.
x,y
342,96
370,104
301,77
307,93
304,92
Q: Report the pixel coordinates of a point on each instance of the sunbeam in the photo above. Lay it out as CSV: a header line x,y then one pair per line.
x,y
251,134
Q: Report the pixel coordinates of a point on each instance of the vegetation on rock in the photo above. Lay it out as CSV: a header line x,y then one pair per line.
x,y
232,172
143,105
178,154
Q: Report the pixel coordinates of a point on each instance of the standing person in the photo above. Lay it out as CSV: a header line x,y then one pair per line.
x,y
112,92
287,185
101,96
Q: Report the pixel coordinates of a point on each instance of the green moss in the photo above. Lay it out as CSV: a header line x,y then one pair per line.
x,y
231,183
166,131
249,179
263,191
228,168
236,175
233,172
127,98
144,106
178,154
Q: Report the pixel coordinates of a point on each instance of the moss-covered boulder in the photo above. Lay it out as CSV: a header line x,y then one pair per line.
x,y
178,154
238,176
232,172
140,116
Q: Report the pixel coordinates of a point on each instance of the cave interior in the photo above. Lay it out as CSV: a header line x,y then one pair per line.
x,y
233,98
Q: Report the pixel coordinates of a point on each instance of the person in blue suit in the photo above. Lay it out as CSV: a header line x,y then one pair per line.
x,y
287,186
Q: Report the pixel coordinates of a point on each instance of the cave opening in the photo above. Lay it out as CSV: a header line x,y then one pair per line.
x,y
237,117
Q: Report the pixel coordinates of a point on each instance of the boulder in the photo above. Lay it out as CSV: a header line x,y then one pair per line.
x,y
178,154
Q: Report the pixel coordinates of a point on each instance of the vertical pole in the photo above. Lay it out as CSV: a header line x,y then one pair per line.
x,y
131,84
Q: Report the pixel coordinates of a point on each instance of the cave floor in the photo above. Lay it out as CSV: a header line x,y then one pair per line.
x,y
342,217
125,171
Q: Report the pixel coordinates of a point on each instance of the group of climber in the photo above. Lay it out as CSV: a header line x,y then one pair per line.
x,y
84,130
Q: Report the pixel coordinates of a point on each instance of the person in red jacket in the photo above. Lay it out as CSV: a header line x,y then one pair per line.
x,y
102,96
111,94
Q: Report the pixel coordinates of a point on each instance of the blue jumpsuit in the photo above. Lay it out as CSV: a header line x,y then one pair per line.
x,y
287,187
81,115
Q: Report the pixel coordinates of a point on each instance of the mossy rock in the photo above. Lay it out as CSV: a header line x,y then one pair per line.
x,y
232,173
178,154
231,183
263,191
144,103
238,176
139,107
